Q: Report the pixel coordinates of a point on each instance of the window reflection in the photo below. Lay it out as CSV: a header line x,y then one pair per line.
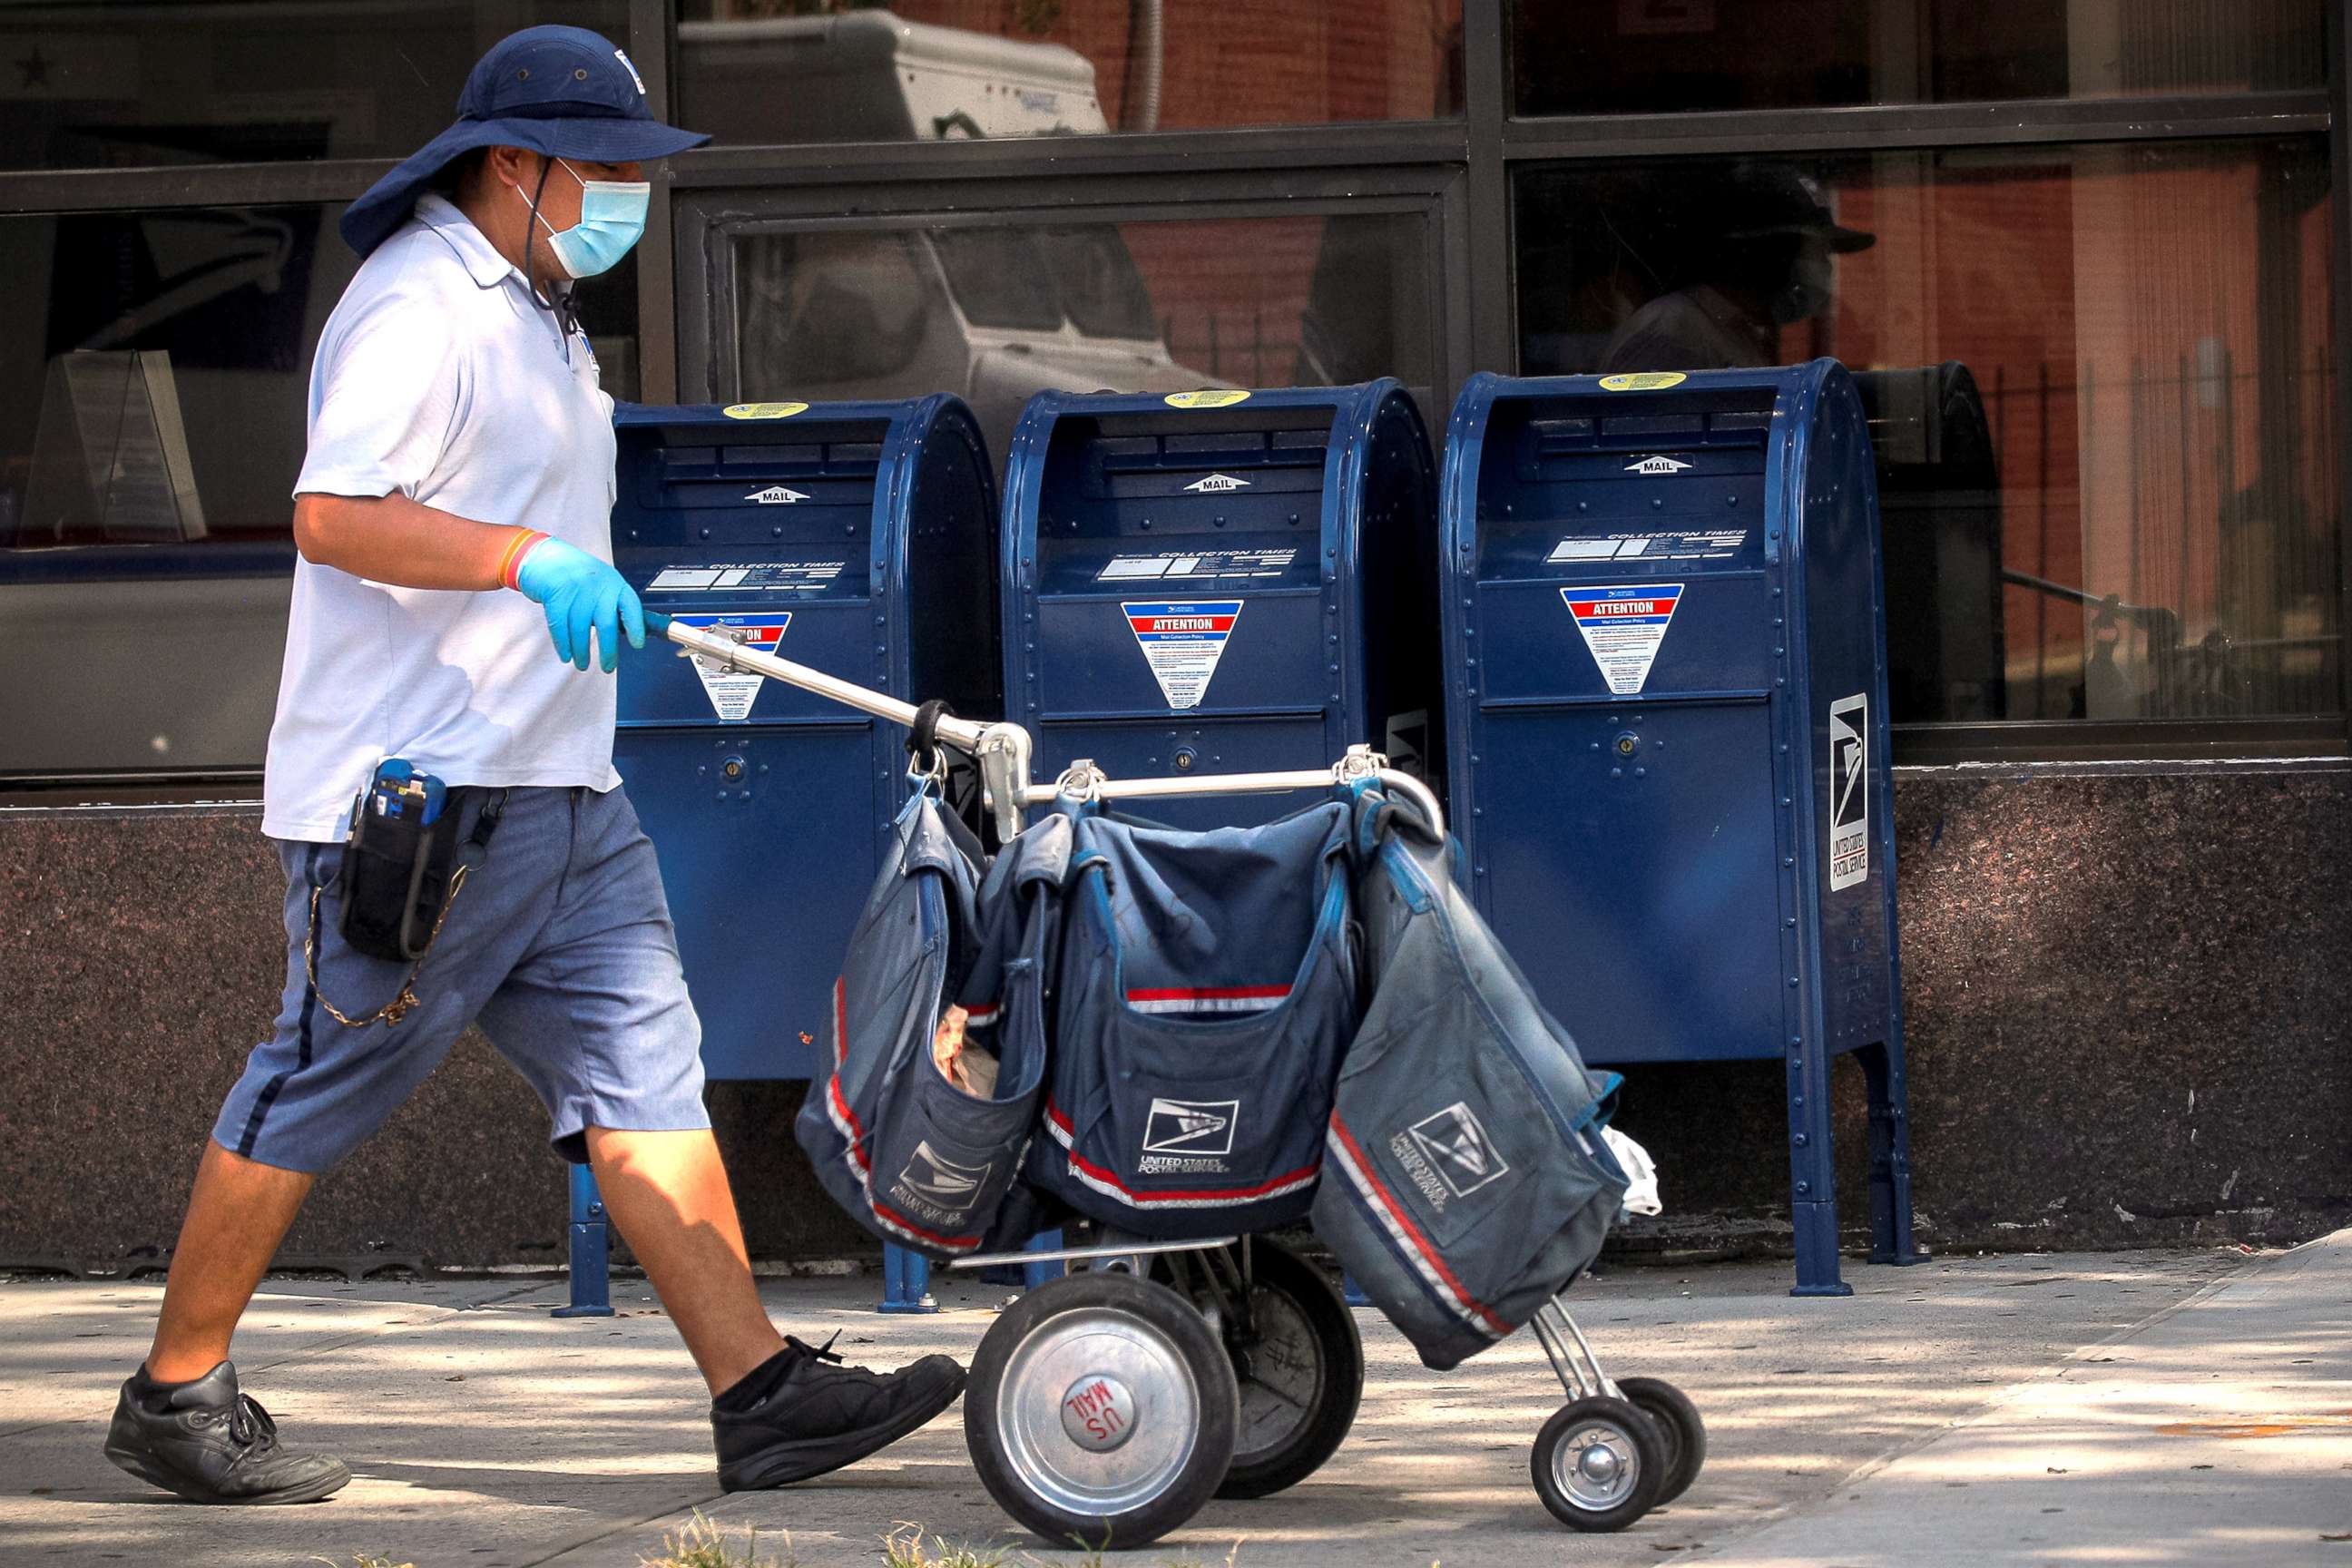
x,y
770,71
996,313
99,84
153,373
2101,390
1649,57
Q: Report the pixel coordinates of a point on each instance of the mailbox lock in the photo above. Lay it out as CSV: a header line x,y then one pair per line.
x,y
1628,743
1185,758
732,768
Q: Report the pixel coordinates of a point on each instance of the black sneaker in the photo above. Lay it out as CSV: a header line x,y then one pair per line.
x,y
207,1443
804,1413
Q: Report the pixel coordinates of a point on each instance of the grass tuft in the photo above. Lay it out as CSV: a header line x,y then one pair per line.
x,y
909,1545
703,1545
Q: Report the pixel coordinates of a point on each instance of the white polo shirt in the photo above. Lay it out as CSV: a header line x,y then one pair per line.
x,y
440,376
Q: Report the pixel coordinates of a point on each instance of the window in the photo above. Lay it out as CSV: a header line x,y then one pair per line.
x,y
997,277
1646,56
154,365
767,71
97,85
2102,390
995,313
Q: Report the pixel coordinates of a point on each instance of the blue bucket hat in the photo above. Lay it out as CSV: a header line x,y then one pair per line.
x,y
565,92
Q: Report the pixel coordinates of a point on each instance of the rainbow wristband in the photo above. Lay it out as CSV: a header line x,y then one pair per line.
x,y
511,564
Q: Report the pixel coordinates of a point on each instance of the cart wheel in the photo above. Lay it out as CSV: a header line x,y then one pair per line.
x,y
1597,1464
1101,1410
1684,1448
1296,1357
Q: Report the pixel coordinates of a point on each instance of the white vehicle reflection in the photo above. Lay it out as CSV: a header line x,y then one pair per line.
x,y
993,314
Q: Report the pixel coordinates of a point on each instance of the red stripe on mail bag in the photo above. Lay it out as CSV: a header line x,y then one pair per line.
x,y
1359,1171
1058,1124
840,1020
913,1232
845,1122
1207,999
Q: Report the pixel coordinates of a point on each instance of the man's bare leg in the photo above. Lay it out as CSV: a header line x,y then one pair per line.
x,y
776,1416
668,1193
239,1212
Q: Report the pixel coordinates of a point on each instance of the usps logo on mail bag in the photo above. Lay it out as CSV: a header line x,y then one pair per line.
x,y
1190,1126
942,1181
1455,1144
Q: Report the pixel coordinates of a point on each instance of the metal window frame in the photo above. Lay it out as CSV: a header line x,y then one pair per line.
x,y
1461,169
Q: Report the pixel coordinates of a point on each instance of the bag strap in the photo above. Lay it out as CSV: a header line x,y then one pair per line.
x,y
923,737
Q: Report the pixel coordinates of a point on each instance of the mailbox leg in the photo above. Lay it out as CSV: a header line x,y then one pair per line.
x,y
1812,1170
1890,1156
1035,1274
590,1253
906,1281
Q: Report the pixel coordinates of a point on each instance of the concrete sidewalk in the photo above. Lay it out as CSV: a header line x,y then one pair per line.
x,y
2217,1434
485,1433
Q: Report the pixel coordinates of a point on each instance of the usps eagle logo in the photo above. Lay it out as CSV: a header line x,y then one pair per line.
x,y
1456,1143
1190,1126
942,1180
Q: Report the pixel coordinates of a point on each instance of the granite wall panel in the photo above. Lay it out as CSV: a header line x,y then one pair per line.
x,y
2125,990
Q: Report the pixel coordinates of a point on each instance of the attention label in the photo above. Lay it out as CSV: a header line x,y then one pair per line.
x,y
1623,627
1849,791
1182,643
733,691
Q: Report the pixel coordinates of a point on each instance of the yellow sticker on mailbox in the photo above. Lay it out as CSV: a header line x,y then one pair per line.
x,y
763,410
1643,381
1211,397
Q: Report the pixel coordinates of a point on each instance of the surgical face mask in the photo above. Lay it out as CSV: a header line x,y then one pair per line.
x,y
612,219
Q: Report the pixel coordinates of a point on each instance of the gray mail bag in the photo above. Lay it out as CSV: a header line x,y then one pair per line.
x,y
909,1135
1466,1180
1207,989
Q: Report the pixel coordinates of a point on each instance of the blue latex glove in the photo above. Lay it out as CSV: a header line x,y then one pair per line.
x,y
580,593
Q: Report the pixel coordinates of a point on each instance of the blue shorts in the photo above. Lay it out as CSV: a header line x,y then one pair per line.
x,y
559,944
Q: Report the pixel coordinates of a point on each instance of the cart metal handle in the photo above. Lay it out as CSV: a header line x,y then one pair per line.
x,y
1086,781
1003,748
